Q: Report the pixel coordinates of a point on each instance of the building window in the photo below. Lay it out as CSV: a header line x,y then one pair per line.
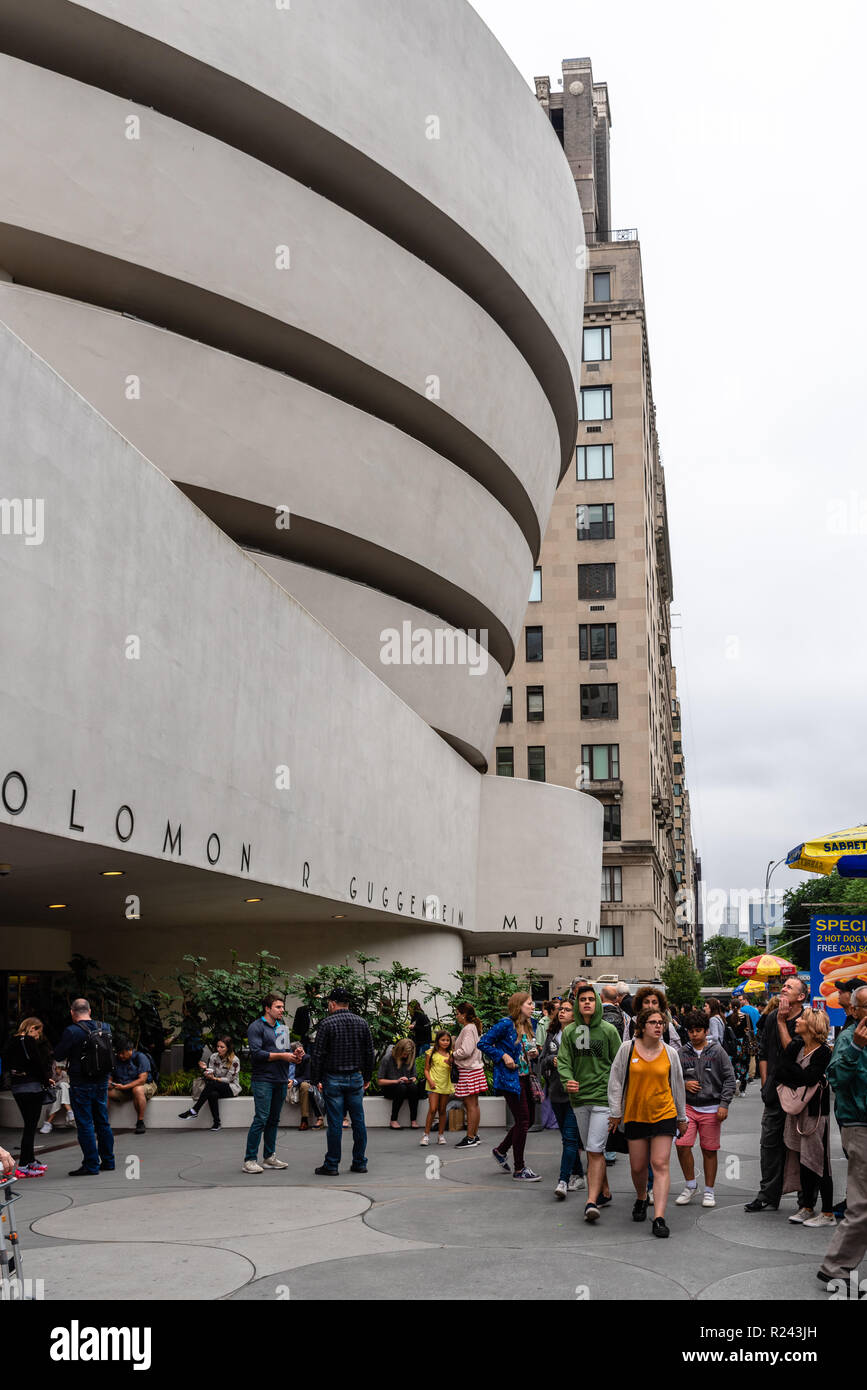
x,y
596,581
675,723
595,521
536,587
595,403
597,642
610,942
599,702
678,789
536,764
506,716
535,704
505,762
597,344
678,746
612,885
540,951
533,643
602,286
594,462
601,762
610,822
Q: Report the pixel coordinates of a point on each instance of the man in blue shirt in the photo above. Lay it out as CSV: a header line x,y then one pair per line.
x,y
270,1055
131,1080
88,1095
752,1014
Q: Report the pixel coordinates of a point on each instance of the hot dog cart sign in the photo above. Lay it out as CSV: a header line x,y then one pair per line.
x,y
838,952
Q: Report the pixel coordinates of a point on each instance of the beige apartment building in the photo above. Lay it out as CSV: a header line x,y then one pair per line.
x,y
592,699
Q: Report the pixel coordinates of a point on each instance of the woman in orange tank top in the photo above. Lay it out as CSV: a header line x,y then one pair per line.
x,y
646,1092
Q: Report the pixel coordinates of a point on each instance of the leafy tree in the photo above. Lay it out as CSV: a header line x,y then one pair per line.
x,y
723,954
225,1001
682,981
488,991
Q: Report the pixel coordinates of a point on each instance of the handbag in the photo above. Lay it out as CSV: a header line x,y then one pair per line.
x,y
536,1089
792,1101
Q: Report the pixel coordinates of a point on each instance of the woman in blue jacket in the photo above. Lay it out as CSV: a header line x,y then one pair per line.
x,y
511,1045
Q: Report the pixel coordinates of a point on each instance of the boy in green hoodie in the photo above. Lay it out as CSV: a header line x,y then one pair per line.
x,y
587,1050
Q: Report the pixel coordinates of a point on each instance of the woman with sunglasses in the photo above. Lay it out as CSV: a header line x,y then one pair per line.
x,y
646,1093
806,1135
571,1168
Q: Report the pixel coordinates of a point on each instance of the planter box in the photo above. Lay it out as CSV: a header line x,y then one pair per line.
x,y
163,1111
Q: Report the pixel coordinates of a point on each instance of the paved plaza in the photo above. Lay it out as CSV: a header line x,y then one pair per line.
x,y
191,1225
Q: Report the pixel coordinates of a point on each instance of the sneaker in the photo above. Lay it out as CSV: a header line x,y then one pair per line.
x,y
46,1128
709,1200
823,1219
759,1204
274,1162
79,1173
801,1216
660,1229
639,1209
463,1143
37,1169
26,1173
473,1143
70,1121
576,1183
324,1172
591,1212
358,1168
441,1139
217,1125
526,1175
686,1196
251,1166
187,1115
502,1160
140,1127
603,1201
560,1191
425,1139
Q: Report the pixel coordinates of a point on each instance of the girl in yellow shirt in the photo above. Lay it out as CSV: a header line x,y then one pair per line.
x,y
438,1076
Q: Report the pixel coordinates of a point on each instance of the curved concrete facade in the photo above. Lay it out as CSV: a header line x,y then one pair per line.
x,y
379,427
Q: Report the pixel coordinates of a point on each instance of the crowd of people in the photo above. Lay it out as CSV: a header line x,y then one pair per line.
x,y
615,1074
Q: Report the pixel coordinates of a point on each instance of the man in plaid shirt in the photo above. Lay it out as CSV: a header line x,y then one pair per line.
x,y
342,1062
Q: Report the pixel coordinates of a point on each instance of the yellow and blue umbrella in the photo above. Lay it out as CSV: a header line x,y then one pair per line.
x,y
844,850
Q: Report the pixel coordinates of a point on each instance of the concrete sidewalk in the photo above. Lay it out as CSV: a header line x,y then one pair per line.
x,y
179,1220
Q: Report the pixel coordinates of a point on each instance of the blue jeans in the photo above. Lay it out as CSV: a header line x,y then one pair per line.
x,y
344,1091
89,1101
268,1098
570,1163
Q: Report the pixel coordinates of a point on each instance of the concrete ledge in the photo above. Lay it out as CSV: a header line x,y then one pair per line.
x,y
163,1113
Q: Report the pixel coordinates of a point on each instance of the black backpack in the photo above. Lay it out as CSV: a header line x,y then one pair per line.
x,y
97,1055
730,1043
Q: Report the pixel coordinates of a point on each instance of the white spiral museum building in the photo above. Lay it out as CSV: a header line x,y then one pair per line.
x,y
290,316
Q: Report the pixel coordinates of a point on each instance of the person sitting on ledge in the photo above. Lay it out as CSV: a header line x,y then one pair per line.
x,y
219,1081
398,1082
131,1080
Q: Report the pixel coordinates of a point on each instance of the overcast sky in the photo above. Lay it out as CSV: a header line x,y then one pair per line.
x,y
738,151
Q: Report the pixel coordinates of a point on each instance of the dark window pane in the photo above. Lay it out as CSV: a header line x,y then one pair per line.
x,y
596,581
583,643
505,762
599,702
536,764
602,286
506,716
534,643
611,823
612,641
535,703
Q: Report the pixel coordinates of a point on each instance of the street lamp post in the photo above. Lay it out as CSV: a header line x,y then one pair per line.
x,y
768,875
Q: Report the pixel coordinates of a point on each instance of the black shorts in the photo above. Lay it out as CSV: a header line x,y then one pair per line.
x,y
634,1130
